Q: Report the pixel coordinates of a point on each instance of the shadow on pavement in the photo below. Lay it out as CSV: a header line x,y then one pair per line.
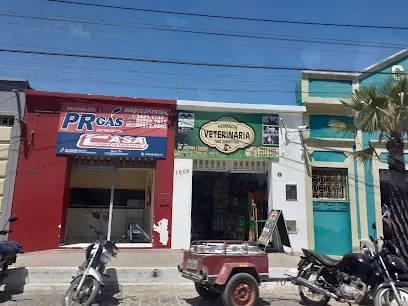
x,y
198,301
13,284
112,288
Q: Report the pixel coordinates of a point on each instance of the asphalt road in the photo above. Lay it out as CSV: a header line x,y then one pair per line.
x,y
147,295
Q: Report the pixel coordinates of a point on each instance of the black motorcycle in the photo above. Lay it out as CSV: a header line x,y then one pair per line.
x,y
376,275
8,250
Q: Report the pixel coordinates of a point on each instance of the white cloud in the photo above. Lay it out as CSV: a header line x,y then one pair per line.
x,y
176,22
311,59
78,30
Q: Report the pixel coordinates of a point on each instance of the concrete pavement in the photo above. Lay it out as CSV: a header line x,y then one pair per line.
x,y
130,267
20,277
129,258
149,295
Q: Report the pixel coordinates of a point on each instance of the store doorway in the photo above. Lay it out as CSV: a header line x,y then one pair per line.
x,y
123,197
221,204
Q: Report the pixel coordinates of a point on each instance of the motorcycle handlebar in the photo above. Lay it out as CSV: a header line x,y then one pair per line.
x,y
99,232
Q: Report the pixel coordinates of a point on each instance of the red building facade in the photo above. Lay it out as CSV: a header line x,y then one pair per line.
x,y
43,197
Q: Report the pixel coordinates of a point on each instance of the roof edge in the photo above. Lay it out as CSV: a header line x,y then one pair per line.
x,y
329,74
385,62
361,74
97,98
237,107
24,84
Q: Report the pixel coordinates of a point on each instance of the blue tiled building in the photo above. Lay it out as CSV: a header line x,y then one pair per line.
x,y
343,197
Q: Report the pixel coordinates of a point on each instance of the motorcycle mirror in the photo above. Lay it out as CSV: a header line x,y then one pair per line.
x,y
374,226
96,215
13,218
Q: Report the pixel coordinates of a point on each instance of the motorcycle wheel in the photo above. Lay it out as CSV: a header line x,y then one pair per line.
x,y
86,296
385,297
321,300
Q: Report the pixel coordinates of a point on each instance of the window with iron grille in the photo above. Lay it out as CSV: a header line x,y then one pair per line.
x,y
7,120
329,184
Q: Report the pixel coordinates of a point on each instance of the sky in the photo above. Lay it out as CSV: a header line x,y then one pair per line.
x,y
133,36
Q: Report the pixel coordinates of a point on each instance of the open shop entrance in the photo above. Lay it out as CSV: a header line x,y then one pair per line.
x,y
222,205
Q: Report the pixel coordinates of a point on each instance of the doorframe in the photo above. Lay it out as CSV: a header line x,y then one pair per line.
x,y
114,171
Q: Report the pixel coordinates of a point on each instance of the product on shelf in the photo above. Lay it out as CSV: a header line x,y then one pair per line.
x,y
221,205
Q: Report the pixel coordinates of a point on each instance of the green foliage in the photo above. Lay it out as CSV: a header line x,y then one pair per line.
x,y
381,107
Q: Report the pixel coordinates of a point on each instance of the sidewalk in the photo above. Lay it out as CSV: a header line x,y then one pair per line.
x,y
159,267
129,258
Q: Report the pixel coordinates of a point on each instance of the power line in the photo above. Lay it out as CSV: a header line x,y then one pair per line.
x,y
284,85
203,32
127,84
98,76
174,62
216,42
273,77
348,25
128,24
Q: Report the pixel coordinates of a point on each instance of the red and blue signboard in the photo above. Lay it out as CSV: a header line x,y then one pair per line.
x,y
107,130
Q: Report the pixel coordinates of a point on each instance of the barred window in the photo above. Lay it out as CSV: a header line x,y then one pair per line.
x,y
329,184
7,120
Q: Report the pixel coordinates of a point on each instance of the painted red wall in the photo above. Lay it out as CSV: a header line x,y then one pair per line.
x,y
38,197
42,181
164,187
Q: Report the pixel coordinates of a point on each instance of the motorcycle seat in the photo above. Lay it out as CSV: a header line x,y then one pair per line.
x,y
323,259
8,248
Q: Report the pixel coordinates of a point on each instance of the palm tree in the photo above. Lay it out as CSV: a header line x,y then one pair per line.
x,y
382,109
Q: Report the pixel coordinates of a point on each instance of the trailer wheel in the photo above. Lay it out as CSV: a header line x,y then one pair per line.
x,y
206,293
241,290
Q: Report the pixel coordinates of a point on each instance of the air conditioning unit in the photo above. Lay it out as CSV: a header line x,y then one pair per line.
x,y
291,225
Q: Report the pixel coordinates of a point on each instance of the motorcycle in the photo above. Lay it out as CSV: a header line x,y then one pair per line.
x,y
87,283
8,250
376,275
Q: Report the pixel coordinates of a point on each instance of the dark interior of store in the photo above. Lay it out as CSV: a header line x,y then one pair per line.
x,y
221,206
385,202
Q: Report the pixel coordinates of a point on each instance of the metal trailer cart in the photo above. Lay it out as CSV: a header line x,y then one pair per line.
x,y
231,270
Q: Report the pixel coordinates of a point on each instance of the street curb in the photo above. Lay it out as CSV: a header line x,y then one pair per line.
x,y
287,287
61,276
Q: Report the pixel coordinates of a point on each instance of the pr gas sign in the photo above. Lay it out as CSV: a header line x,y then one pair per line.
x,y
104,130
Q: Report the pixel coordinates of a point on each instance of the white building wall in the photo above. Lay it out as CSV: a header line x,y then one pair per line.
x,y
290,165
290,170
182,195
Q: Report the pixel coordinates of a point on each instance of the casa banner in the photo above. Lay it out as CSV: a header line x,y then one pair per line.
x,y
227,136
107,130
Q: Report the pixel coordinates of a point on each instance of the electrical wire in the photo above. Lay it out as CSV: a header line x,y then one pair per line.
x,y
171,81
348,25
177,62
175,74
95,81
214,32
128,84
165,81
252,45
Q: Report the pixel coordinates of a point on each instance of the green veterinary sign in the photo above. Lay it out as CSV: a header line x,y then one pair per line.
x,y
227,136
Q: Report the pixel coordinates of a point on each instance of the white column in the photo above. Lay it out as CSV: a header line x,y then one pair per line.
x,y
182,202
112,195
